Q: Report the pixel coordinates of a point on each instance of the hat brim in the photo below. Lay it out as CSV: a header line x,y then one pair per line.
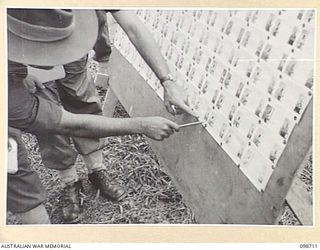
x,y
60,52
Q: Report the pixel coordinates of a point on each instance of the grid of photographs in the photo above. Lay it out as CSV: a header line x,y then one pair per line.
x,y
249,75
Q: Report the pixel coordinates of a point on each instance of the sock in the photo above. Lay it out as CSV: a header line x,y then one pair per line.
x,y
94,161
68,176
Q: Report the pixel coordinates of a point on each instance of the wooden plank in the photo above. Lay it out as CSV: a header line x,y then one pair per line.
x,y
109,103
102,80
301,202
299,199
102,77
211,184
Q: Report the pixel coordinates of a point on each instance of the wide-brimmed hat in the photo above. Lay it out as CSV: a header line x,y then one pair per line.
x,y
48,37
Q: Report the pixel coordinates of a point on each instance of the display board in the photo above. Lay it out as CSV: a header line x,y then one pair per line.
x,y
248,74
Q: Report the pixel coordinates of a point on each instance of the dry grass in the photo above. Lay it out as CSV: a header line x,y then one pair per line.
x,y
306,175
288,217
152,198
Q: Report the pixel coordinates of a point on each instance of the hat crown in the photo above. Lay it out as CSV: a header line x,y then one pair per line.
x,y
49,37
43,25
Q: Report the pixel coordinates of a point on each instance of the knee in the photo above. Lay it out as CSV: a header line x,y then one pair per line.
x,y
57,160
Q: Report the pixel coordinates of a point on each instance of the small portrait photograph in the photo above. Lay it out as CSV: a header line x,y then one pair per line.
x,y
257,171
245,122
234,144
266,142
226,103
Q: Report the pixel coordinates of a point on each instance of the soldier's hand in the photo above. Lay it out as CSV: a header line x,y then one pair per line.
x,y
158,128
32,84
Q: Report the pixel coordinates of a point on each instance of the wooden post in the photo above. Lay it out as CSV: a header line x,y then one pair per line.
x,y
102,77
299,199
102,80
109,103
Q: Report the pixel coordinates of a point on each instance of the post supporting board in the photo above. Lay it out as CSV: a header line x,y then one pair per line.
x,y
211,184
299,199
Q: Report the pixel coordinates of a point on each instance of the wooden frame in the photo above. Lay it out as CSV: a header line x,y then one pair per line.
x,y
212,185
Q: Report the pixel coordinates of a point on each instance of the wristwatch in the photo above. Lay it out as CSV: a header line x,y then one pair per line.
x,y
168,77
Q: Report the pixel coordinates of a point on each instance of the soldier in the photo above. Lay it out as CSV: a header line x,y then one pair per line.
x,y
48,37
